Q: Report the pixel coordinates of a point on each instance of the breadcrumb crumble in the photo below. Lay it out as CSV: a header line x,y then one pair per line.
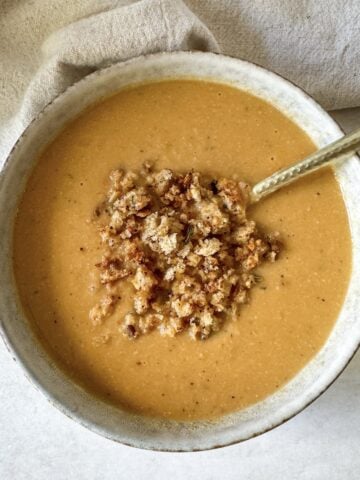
x,y
185,243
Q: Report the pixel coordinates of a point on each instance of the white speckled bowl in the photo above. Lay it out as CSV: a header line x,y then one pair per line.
x,y
73,400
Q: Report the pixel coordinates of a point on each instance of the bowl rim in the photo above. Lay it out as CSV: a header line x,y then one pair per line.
x,y
30,374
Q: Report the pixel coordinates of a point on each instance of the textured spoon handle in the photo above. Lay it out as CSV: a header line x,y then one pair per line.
x,y
340,149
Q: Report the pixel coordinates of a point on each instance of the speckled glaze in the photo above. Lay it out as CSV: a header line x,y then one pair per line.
x,y
71,399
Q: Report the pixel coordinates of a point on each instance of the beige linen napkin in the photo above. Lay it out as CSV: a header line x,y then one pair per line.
x,y
311,42
147,26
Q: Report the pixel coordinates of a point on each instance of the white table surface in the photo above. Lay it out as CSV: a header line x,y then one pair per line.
x,y
322,442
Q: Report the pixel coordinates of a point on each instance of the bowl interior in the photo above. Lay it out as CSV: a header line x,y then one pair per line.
x,y
73,400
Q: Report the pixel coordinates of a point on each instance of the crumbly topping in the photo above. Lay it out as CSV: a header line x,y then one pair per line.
x,y
184,242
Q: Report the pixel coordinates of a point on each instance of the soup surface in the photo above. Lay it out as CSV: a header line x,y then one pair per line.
x,y
181,125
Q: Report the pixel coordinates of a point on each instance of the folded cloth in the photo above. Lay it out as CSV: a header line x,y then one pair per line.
x,y
306,41
147,26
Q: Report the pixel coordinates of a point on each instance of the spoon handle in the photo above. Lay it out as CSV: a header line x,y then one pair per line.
x,y
341,149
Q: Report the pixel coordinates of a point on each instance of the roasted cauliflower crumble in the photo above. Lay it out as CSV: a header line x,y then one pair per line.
x,y
185,243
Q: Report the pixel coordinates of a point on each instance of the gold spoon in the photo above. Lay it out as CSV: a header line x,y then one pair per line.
x,y
342,149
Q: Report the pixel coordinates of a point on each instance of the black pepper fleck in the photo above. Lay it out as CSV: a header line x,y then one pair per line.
x,y
214,188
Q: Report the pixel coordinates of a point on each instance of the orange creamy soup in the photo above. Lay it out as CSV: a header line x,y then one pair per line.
x,y
220,132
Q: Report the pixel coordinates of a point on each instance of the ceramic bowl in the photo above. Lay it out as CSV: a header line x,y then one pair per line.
x,y
71,399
